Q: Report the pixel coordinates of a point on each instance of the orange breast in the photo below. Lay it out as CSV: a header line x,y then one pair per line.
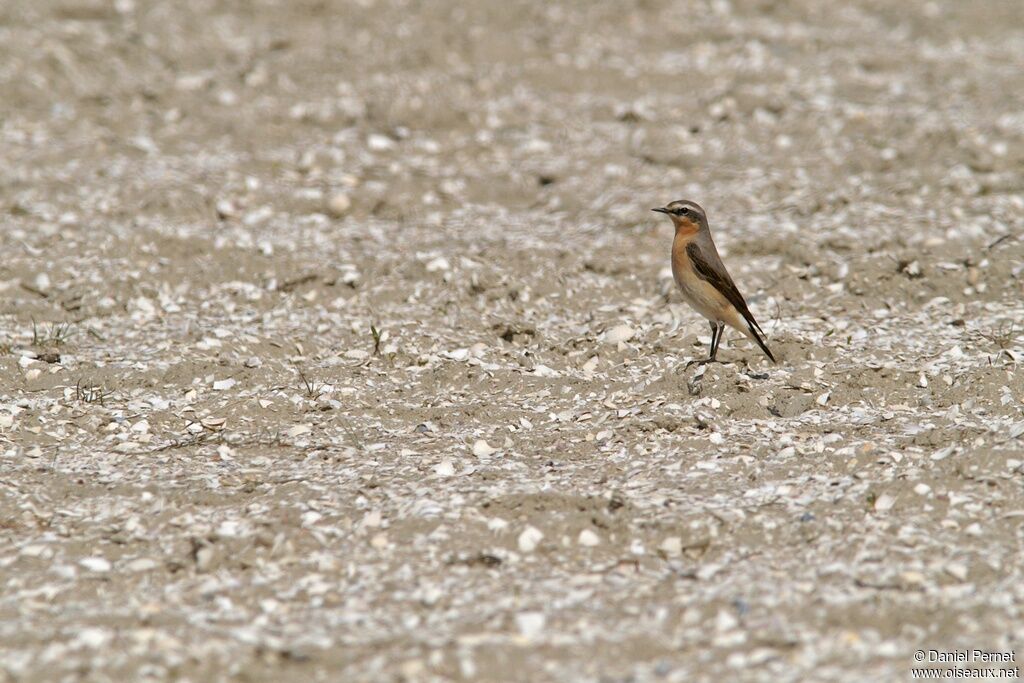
x,y
680,259
700,294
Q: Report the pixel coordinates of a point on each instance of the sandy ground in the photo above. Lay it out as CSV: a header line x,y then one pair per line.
x,y
339,341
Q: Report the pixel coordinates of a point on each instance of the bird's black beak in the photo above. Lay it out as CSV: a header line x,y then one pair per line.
x,y
661,210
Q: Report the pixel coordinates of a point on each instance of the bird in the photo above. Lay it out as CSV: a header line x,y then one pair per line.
x,y
703,279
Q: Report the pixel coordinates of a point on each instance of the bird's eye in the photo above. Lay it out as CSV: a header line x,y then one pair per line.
x,y
683,211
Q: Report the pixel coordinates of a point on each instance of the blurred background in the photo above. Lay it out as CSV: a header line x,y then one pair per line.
x,y
767,110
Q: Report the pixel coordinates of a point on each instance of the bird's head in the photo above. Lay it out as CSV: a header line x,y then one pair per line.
x,y
685,215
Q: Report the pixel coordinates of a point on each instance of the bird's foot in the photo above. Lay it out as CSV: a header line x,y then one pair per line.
x,y
701,361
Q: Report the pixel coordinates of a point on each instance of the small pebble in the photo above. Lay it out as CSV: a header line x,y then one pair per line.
x,y
95,564
339,204
224,384
529,539
530,624
884,503
672,546
482,449
617,334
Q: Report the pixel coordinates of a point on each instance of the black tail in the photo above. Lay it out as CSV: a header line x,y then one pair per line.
x,y
754,329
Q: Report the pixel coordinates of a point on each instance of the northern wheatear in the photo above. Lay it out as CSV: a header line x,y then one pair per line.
x,y
703,279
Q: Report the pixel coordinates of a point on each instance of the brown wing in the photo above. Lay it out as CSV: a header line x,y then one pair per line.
x,y
720,280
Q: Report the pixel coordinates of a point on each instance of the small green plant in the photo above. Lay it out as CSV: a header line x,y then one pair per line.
x,y
55,335
376,339
91,393
1002,335
314,389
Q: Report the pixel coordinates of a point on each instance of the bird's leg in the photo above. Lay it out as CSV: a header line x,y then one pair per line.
x,y
716,339
716,336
